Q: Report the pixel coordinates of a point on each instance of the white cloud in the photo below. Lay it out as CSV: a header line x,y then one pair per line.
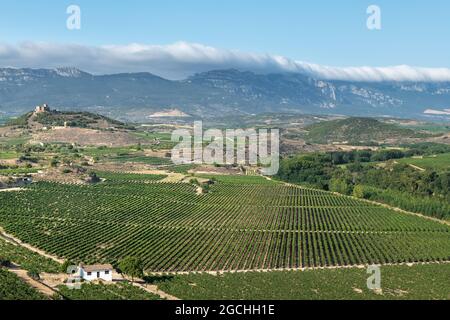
x,y
181,59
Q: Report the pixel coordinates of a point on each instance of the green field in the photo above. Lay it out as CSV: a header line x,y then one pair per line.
x,y
128,177
241,223
428,282
141,159
7,155
119,291
27,259
105,151
13,288
164,138
430,127
439,162
10,142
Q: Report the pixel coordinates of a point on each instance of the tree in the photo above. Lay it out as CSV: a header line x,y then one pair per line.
x,y
4,262
34,274
132,266
358,192
53,163
65,266
339,185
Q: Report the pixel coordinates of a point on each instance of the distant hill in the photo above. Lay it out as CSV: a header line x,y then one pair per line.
x,y
136,96
54,118
79,128
77,119
356,130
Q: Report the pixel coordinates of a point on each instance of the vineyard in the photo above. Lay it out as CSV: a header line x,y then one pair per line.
x,y
241,223
27,259
13,288
118,291
418,282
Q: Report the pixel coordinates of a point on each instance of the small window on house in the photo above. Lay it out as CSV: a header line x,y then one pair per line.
x,y
107,272
89,273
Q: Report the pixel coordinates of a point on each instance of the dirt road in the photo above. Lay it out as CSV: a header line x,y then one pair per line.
x,y
22,274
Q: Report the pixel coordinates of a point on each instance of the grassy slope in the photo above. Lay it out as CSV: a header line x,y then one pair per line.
x,y
76,119
355,130
438,163
397,282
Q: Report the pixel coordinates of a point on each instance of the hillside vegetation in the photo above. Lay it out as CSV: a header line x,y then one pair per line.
x,y
356,130
77,119
378,175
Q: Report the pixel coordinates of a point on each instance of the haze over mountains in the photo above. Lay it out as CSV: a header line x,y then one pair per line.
x,y
219,92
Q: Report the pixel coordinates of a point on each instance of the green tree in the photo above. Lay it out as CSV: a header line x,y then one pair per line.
x,y
339,185
34,274
358,191
132,266
65,266
4,262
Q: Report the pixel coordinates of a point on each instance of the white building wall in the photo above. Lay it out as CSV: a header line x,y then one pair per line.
x,y
101,274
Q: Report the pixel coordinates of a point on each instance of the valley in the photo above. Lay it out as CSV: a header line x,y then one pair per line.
x,y
85,188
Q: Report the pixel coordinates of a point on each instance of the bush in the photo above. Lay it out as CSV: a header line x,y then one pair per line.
x,y
65,266
4,262
132,266
359,192
34,274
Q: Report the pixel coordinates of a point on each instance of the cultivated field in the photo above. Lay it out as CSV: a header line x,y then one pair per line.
x,y
118,291
439,162
426,282
13,288
243,223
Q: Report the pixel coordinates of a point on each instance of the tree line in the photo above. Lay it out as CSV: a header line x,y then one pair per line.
x,y
359,173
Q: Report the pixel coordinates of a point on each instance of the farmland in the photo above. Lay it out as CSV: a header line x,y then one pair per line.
x,y
27,259
13,288
119,291
398,282
439,162
6,155
141,159
245,223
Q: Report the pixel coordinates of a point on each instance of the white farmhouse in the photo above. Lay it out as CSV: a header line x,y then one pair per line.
x,y
96,272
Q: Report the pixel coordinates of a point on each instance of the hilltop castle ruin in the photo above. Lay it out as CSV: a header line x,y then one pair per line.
x,y
43,108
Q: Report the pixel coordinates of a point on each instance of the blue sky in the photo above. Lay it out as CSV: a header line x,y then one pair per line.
x,y
331,32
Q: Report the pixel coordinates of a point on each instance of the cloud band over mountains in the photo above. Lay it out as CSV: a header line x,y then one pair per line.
x,y
181,59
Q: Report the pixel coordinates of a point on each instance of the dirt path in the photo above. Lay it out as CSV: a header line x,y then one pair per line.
x,y
11,189
417,168
140,283
22,274
154,290
16,241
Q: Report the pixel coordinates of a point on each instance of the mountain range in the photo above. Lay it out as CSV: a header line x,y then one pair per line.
x,y
135,96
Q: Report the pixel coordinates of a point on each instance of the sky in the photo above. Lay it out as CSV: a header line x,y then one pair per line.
x,y
176,38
